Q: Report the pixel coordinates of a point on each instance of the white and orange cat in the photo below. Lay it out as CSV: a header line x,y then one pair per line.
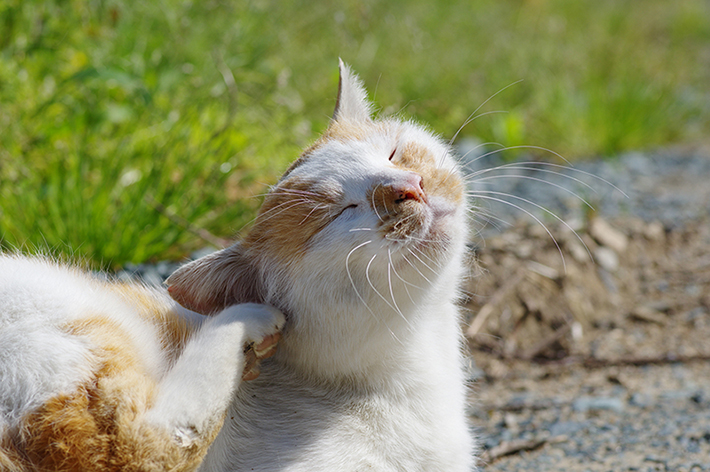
x,y
352,266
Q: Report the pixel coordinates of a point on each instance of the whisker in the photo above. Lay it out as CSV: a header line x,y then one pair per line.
x,y
273,213
389,255
288,191
469,120
527,177
369,281
567,168
510,148
528,166
489,143
374,207
453,139
537,220
476,211
357,292
262,215
414,265
394,302
317,207
423,254
424,263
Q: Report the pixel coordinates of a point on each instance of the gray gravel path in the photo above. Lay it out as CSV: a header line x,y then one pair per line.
x,y
648,418
634,418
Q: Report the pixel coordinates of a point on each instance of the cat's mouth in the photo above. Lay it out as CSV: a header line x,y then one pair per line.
x,y
422,224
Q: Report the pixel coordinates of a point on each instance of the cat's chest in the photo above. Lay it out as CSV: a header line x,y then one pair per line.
x,y
283,423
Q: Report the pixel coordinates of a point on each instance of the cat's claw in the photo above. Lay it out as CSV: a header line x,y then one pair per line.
x,y
254,352
267,347
263,346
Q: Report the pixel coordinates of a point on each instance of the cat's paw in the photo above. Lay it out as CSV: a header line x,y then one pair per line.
x,y
263,331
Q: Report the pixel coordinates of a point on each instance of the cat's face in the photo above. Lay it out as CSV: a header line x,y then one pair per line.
x,y
370,197
388,182
389,185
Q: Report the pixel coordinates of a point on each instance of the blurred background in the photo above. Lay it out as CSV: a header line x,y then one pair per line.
x,y
136,131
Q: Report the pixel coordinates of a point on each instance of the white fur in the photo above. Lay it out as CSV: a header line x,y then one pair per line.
x,y
39,359
190,401
368,375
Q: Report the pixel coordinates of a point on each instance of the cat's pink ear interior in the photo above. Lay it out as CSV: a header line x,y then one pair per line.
x,y
351,104
214,282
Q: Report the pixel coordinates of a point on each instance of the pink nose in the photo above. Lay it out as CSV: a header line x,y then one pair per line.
x,y
409,188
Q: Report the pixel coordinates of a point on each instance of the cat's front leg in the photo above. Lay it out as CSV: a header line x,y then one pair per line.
x,y
194,395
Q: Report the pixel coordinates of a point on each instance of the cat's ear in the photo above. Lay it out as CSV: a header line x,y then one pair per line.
x,y
216,281
351,104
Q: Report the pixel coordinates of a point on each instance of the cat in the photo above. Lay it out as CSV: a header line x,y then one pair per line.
x,y
352,268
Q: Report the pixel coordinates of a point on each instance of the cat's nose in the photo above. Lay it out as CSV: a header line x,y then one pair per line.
x,y
410,187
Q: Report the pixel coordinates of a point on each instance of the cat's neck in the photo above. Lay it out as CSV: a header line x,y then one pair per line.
x,y
371,341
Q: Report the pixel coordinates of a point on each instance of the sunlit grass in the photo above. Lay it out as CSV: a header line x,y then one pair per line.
x,y
120,121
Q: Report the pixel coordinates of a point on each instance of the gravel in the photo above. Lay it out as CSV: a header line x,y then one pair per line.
x,y
652,417
655,418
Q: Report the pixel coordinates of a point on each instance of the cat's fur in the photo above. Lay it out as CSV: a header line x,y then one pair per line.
x,y
360,244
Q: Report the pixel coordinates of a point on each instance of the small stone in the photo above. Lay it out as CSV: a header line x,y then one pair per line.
x,y
648,315
607,258
543,270
640,400
608,236
578,251
584,404
566,428
654,231
523,250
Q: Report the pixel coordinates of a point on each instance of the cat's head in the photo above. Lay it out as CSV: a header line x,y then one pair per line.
x,y
375,207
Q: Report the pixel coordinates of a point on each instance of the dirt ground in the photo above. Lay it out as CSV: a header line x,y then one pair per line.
x,y
591,351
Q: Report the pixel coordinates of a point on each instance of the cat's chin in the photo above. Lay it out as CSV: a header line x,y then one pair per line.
x,y
443,224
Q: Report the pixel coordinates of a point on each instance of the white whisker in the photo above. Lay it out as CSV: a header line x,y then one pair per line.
x,y
462,159
357,292
394,302
317,207
527,177
414,265
389,255
424,263
470,117
369,281
567,168
374,207
537,220
272,213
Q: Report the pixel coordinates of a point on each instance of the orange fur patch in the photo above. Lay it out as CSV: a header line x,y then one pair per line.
x,y
174,330
100,427
435,181
290,216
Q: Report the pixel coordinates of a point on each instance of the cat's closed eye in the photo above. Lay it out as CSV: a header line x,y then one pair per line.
x,y
394,151
345,210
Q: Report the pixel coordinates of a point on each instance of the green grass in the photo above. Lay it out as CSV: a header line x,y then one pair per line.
x,y
121,120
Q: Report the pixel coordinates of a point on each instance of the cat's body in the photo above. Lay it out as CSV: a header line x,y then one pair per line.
x,y
361,246
96,376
